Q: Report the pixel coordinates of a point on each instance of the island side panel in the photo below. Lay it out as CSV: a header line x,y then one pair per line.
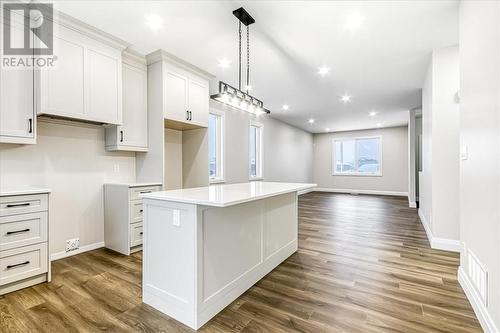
x,y
239,245
169,259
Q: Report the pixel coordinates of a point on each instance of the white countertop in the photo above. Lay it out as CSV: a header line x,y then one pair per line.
x,y
222,195
22,190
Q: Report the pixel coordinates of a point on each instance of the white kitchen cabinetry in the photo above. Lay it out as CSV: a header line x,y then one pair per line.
x,y
123,215
86,81
17,99
185,91
132,135
24,239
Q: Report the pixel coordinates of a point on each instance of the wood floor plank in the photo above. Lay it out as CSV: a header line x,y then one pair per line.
x,y
364,265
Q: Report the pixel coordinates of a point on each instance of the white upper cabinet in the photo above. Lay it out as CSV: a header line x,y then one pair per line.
x,y
176,94
85,83
185,90
198,101
17,99
132,135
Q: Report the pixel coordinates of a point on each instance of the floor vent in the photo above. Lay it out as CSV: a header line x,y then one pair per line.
x,y
478,276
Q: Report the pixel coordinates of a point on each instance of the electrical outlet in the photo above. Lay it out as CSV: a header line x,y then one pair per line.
x,y
72,244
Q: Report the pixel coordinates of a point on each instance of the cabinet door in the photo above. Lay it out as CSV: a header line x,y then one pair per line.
x,y
17,112
104,88
198,101
62,91
17,118
135,112
176,92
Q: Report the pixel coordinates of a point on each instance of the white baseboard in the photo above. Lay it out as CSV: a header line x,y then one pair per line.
x,y
373,192
437,242
85,248
480,309
412,204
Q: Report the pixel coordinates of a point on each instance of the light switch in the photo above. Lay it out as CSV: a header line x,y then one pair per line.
x,y
176,218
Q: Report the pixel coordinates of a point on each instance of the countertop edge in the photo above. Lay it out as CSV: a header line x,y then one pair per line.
x,y
152,196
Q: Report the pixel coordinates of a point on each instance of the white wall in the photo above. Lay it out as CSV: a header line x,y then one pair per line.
x,y
394,179
439,196
287,149
412,155
480,133
70,159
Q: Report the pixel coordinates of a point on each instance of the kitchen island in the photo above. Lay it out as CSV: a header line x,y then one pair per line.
x,y
203,247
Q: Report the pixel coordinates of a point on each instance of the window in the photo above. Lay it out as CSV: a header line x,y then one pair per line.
x,y
357,156
255,150
215,146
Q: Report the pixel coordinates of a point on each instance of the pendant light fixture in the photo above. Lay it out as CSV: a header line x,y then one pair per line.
x,y
237,97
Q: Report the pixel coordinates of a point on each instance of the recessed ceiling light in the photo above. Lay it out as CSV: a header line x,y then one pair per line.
x,y
372,113
345,98
223,63
323,71
311,121
379,125
354,22
154,22
285,107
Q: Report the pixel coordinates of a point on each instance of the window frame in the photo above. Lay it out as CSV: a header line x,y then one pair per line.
x,y
220,153
259,155
357,173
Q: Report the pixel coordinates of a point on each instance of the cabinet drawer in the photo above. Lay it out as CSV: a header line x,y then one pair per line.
x,y
24,262
135,234
22,230
136,211
21,204
136,191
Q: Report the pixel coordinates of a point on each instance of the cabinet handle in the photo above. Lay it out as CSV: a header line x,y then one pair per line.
x,y
18,205
187,115
141,211
17,265
145,192
30,125
121,136
17,231
140,233
190,115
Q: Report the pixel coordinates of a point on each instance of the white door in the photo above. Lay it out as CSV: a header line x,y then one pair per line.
x,y
17,112
176,90
62,91
198,101
135,117
104,88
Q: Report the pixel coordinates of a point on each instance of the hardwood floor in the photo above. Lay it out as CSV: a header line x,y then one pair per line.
x,y
364,265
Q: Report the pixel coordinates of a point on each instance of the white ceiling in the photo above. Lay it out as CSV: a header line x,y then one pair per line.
x,y
381,64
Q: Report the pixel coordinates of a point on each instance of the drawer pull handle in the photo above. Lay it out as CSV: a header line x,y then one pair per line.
x,y
141,211
17,231
18,205
145,191
17,265
140,233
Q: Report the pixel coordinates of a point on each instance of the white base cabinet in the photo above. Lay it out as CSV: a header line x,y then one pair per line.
x,y
24,239
123,215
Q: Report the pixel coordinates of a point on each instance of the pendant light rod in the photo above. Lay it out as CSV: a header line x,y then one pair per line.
x,y
235,97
